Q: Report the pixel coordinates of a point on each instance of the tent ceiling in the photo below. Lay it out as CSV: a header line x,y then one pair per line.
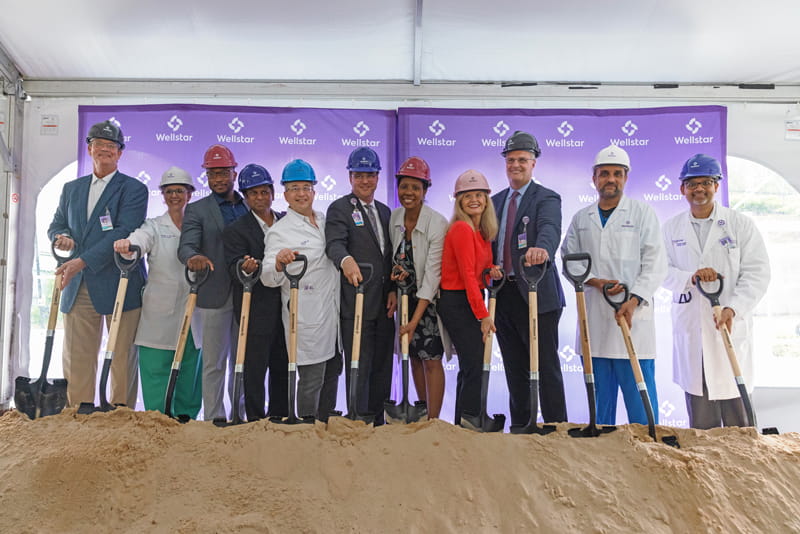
x,y
625,42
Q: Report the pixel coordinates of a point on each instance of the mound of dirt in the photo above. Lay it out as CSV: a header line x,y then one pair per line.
x,y
128,471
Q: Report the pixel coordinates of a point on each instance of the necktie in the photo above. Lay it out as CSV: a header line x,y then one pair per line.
x,y
511,215
373,219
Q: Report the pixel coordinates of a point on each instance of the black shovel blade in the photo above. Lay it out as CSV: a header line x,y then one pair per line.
x,y
404,412
532,428
367,418
484,423
590,431
25,396
770,431
53,397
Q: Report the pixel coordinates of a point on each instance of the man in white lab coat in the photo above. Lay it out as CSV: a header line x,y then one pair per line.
x,y
707,240
623,237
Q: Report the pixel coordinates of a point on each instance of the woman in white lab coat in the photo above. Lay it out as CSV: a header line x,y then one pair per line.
x,y
720,240
164,302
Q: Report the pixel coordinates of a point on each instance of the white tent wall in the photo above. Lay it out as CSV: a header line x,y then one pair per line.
x,y
755,132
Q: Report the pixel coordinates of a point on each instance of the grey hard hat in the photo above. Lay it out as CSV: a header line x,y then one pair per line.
x,y
522,141
106,130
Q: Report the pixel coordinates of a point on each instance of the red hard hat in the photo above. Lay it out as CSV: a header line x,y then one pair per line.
x,y
218,156
415,167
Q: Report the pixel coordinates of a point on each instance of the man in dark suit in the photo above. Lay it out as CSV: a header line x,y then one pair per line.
x,y
200,247
530,225
266,343
357,231
94,211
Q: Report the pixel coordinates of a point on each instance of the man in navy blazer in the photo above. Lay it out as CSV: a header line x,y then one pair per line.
x,y
93,212
357,231
535,231
200,247
266,341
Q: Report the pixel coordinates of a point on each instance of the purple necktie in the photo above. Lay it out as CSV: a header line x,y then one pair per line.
x,y
511,215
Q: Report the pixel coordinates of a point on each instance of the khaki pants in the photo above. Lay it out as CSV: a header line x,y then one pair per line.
x,y
83,333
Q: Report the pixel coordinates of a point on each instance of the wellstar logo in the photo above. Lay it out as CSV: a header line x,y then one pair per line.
x,y
236,125
565,129
501,128
361,128
629,128
175,123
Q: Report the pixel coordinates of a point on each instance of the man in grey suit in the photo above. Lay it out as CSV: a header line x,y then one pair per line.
x,y
530,224
357,231
201,247
94,211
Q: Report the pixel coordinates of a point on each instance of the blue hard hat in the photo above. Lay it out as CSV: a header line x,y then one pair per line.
x,y
363,160
701,165
298,171
253,175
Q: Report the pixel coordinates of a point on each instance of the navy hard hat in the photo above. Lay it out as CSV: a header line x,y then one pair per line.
x,y
106,130
253,175
363,159
522,141
701,165
298,171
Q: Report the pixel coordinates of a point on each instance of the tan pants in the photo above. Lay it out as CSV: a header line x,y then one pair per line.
x,y
83,333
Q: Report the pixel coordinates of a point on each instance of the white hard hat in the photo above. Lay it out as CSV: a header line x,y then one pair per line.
x,y
613,155
176,176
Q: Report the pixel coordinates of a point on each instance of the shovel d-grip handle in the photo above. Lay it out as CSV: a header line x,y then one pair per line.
x,y
200,278
405,284
248,280
614,303
294,279
712,296
493,286
365,278
126,266
61,260
538,270
577,279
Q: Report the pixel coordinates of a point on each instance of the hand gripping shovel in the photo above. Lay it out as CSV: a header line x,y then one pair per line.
x,y
39,398
637,369
248,281
713,297
482,422
577,280
194,285
125,267
404,412
294,290
533,333
352,394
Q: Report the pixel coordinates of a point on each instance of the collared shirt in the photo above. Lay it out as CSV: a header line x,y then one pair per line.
x,y
231,210
96,190
502,231
702,227
263,224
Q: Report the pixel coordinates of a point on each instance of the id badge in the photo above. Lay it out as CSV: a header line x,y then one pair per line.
x,y
357,218
522,241
105,222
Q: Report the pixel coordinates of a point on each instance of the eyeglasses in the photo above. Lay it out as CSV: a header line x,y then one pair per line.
x,y
694,185
218,173
521,161
178,191
109,145
299,189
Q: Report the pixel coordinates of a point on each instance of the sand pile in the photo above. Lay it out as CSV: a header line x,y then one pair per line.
x,y
130,471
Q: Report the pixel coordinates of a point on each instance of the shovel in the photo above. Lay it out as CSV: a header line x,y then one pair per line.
x,y
577,280
125,267
483,422
713,298
404,412
294,290
637,369
533,333
248,281
39,398
194,285
352,394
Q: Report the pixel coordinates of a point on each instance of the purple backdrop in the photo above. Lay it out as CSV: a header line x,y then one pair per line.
x,y
658,140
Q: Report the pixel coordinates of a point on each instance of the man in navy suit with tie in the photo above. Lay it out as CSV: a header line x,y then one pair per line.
x,y
93,212
530,225
357,231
